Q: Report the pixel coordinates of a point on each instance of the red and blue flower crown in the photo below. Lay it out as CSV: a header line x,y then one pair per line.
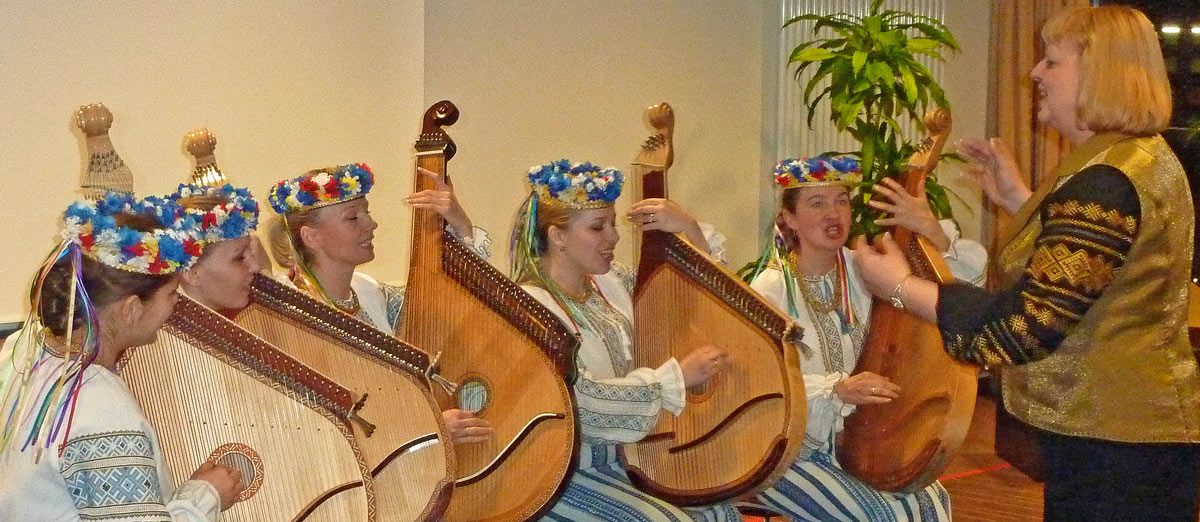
x,y
818,171
235,217
322,188
166,250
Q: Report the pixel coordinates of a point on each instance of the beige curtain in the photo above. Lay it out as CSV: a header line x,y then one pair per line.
x,y
1016,48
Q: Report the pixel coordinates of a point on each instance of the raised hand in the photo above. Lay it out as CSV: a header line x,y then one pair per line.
x,y
993,166
441,199
908,211
668,216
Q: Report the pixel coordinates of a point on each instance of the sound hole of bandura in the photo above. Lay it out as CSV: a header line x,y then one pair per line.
x,y
474,395
703,391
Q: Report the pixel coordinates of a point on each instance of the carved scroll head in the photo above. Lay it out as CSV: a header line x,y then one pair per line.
x,y
200,143
94,119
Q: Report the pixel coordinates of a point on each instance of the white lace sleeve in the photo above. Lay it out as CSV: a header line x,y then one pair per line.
x,y
716,242
967,259
826,411
479,242
195,500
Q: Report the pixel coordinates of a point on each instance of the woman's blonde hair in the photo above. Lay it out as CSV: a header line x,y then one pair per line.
x,y
531,237
1123,85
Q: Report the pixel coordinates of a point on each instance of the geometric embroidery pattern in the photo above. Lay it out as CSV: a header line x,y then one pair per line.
x,y
1057,263
638,393
112,475
1094,213
639,423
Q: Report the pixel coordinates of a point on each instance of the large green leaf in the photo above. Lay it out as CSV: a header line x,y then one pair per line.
x,y
795,52
880,71
910,83
921,44
860,59
848,114
891,38
812,55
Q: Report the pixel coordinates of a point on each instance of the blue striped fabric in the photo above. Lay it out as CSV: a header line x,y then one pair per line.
x,y
816,489
601,491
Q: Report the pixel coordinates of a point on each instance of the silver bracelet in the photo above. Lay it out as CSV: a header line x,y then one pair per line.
x,y
897,297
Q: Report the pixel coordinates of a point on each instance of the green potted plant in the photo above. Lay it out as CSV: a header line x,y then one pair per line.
x,y
873,79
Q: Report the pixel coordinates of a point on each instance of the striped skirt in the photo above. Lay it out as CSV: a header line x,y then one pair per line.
x,y
816,489
601,490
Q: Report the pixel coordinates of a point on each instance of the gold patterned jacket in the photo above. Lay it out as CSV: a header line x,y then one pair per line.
x,y
1091,320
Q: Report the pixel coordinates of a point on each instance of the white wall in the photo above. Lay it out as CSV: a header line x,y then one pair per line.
x,y
537,80
284,87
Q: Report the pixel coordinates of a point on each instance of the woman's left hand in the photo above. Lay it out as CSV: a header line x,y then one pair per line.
x,y
908,211
441,199
882,265
660,214
668,216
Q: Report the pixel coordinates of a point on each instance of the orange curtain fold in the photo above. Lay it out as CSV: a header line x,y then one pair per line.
x,y
1016,46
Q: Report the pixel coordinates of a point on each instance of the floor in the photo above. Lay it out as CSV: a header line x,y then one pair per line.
x,y
982,486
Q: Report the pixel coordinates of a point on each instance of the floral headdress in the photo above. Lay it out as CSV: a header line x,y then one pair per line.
x,y
576,185
322,188
817,172
92,226
565,185
235,217
89,230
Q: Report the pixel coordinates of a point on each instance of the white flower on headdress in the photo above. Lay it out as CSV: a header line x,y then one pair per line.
x,y
72,229
601,182
139,263
577,180
107,256
589,186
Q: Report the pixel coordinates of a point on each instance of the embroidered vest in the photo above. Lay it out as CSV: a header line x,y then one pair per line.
x,y
1126,371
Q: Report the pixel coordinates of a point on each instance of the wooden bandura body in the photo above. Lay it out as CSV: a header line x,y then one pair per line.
x,y
739,433
904,445
502,355
409,451
206,385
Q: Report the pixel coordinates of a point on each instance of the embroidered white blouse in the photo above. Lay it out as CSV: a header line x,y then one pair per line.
x,y
111,468
835,350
